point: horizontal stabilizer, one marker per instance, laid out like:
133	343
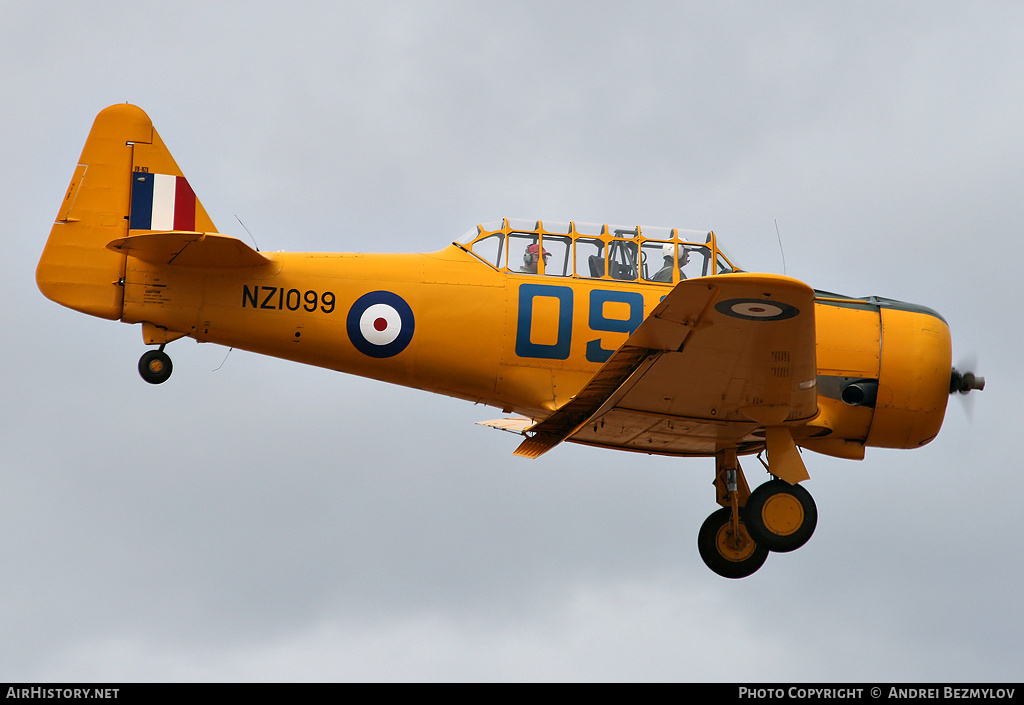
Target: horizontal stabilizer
189	249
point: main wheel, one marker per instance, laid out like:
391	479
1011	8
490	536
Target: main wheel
155	366
780	516
720	551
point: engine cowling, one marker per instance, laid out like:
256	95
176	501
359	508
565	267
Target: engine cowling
913	380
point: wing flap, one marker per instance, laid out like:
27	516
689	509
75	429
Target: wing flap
561	424
717	359
189	249
512	424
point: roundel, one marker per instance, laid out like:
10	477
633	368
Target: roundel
380	324
757	309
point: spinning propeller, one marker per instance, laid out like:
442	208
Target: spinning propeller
964	383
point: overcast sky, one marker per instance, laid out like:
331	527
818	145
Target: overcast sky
253	519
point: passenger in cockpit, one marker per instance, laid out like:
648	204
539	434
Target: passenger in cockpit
532	257
665	273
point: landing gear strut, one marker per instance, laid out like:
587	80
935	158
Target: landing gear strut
155	366
724	542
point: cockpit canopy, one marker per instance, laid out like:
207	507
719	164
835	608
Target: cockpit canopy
599	251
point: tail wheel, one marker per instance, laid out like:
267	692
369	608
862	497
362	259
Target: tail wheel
155	366
780	516
726	554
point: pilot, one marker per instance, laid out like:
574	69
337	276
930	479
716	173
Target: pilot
665	273
532	257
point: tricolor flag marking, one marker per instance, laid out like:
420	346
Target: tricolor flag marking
162	202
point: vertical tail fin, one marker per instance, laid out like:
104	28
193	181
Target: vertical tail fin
125	181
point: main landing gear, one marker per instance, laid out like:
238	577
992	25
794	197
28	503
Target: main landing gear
155	366
726	546
776	517
781	516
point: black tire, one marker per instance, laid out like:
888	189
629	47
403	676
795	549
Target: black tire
155	366
780	516
714	544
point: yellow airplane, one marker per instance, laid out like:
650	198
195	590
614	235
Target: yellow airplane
635	338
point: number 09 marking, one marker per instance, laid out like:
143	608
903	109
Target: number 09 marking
598	320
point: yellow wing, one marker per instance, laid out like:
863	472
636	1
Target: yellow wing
720	363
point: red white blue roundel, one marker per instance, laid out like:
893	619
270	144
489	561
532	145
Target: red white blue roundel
380	324
757	309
